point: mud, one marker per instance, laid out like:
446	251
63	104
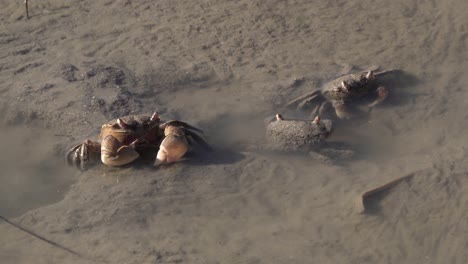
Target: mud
225	66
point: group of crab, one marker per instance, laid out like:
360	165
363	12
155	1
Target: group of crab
122	140
344	95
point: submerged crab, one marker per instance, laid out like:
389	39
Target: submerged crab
344	91
122	138
306	136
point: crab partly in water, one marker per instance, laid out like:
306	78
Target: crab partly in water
304	136
122	138
344	91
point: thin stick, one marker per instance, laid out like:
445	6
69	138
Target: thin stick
44	239
27	10
361	200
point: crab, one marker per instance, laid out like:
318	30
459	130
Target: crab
122	139
344	91
304	136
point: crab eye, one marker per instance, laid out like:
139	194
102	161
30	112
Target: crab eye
345	86
155	117
121	123
316	120
370	75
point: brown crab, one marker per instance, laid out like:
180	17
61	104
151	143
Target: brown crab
304	136
343	91
123	138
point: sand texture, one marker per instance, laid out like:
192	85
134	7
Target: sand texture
226	66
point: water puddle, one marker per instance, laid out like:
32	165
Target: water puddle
32	173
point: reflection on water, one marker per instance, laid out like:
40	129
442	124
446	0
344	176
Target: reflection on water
32	174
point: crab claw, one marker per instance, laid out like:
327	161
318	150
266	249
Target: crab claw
113	153
173	147
83	154
382	94
316	120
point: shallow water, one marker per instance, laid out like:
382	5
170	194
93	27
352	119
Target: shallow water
32	174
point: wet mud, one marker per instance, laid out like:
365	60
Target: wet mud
226	66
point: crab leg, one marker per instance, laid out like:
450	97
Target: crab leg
322	109
177	123
383	73
320	157
113	153
197	139
72	155
307	101
342	110
306	97
382	94
81	154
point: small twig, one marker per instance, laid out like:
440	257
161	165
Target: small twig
380	188
27	10
44	239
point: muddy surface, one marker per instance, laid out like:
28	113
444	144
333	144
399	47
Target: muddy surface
225	66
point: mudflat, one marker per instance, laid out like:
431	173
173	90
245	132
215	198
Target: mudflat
225	66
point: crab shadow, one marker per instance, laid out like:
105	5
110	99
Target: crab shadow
382	199
398	85
195	157
215	157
